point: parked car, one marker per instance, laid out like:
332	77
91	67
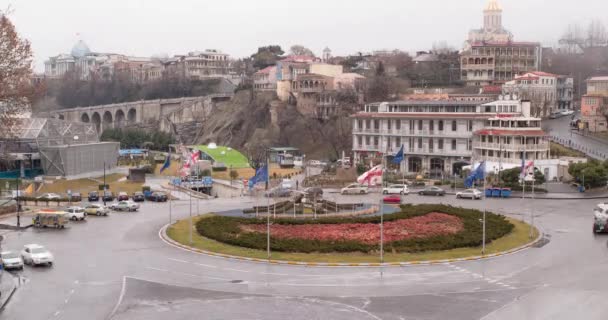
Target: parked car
469	194
396	189
108	196
93	196
392	198
312	192
125	206
35	254
354	188
122	196
288	184
96	209
158	197
138	197
278	192
432	191
11	260
76	196
567	112
555	115
314	163
75	213
49	196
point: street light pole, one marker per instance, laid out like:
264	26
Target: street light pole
104	184
18	205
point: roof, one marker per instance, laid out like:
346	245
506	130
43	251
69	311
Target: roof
282	149
438	102
228	156
511	132
426	115
266	70
298	58
543	74
492	6
526	78
504	44
492	89
602	78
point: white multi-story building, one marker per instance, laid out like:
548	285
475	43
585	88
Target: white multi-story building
547	92
437	135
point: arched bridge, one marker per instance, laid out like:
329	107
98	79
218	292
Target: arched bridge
179	110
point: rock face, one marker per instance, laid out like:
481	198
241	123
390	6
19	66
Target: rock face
260	118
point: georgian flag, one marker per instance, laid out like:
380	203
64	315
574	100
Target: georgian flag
372	176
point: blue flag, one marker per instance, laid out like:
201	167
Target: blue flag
261	175
399	156
478	174
167	163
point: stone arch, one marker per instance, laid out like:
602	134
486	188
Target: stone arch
477	61
107	120
96	119
132	116
119	118
471	61
464	61
85	118
484	61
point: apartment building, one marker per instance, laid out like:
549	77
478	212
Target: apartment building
594	105
547	92
437	134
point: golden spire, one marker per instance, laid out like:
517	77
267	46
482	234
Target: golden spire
493	6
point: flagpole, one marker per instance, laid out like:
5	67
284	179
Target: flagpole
268	206
483	240
532	205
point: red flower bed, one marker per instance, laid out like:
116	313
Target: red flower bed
431	224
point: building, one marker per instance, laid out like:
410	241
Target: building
490	56
208	64
265	79
547	92
594	105
437	134
308	89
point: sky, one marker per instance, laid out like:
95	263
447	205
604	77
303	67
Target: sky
239	27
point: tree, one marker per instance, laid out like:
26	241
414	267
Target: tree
299	50
593	173
233	175
266	56
596	34
380	69
256	154
17	93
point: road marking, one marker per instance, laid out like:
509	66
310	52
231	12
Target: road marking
120	297
56	313
275	274
187	274
204	265
237	270
178	260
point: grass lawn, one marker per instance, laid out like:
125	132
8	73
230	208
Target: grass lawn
518	237
84	186
557	150
229	157
247	173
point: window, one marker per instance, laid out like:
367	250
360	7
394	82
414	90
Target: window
432	125
359	140
360	124
419	143
389	123
440	144
377	124
367	140
440	125
470	125
411	125
454	144
420	125
469	145
431	144
398	142
376	141
398	124
454	126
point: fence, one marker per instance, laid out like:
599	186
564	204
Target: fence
589	151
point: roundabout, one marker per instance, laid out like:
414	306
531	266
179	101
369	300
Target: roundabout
121	263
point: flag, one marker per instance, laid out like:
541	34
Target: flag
370	176
522	173
167	163
399	156
478	174
261	175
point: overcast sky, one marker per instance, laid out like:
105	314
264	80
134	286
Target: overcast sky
238	27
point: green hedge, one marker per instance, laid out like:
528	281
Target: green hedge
226	229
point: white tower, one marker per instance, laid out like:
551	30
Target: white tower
326	54
492	16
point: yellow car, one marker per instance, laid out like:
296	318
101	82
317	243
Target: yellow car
94	209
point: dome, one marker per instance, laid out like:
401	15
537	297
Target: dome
80	49
493	6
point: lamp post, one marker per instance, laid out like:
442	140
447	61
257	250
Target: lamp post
103	196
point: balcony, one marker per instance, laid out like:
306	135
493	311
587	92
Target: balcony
416	133
516	147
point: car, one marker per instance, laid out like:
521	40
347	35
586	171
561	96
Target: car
278	192
432	191
392	198
96	209
314	163
288	184
108	196
75	213
567	112
555	115
11	260
122	196
49	196
469	194
76	196
93	196
125	206
35	254
138	197
158	197
312	192
396	189
354	188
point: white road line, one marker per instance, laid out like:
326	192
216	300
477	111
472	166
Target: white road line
120	297
237	270
178	260
275	274
56	313
204	265
157	269
187	274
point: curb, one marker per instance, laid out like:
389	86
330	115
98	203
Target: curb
10	295
162	233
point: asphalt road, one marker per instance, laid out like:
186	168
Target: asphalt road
560	129
118	268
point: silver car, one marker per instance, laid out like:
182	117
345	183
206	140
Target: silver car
469	194
11	260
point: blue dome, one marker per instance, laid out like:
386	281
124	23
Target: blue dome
80	49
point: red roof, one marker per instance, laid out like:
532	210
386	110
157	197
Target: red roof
526	78
266	70
492	89
543	74
510	132
504	44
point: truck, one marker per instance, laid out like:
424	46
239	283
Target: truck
600	218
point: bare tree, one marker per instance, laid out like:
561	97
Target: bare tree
596	34
17	93
299	50
256	153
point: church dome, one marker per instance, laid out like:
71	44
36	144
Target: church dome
80	49
493	6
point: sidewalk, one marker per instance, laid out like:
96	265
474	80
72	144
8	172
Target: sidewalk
8	286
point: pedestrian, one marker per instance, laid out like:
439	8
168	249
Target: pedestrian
297	184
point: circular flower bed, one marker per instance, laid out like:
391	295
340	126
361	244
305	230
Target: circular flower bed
414	229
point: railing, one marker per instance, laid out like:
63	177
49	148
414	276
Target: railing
425	133
542	146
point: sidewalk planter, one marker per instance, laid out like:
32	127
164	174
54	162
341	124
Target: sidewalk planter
496	192
489	193
505	192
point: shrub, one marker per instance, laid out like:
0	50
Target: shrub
227	230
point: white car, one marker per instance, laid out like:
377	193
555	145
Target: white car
469	194
49	196
11	260
354	188
35	254
314	163
96	209
125	206
396	189
75	213
567	112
